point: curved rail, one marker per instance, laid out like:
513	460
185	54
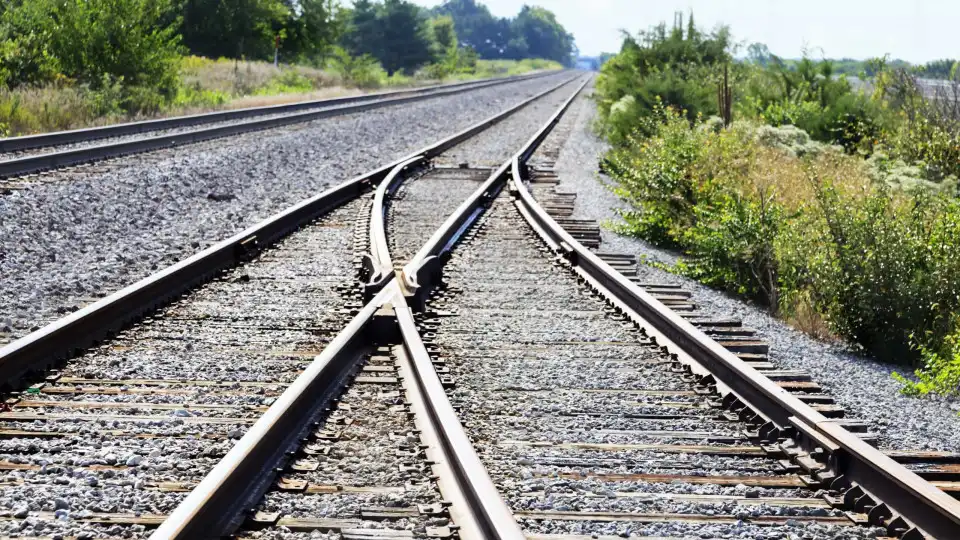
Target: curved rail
42	140
42	162
61	338
380	265
422	271
480	512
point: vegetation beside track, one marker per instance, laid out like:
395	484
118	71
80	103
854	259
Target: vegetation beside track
71	64
835	208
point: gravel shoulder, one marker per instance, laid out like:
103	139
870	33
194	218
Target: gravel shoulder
862	385
88	231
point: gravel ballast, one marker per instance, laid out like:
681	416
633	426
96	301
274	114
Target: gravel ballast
575	414
88	231
165	400
863	386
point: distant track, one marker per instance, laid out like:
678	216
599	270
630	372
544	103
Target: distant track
21	158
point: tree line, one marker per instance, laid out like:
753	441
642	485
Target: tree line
137	45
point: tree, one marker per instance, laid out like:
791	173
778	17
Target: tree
132	43
233	28
477	28
940	69
544	37
361	36
395	32
444	34
759	54
405	36
311	30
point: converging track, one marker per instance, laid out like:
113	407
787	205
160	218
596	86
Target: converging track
439	360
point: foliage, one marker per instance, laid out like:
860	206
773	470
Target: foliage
677	67
811	96
235	29
73	63
130	44
941	69
940	373
533	33
505	68
311	30
361	71
395	32
537	34
879	264
927	131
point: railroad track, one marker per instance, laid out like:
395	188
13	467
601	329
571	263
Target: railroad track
22	158
488	376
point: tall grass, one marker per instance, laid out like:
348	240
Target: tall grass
208	84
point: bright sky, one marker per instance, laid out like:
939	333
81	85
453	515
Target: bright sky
914	30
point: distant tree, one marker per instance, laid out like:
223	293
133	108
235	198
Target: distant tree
361	36
311	30
233	29
759	54
477	28
406	36
940	69
444	35
543	36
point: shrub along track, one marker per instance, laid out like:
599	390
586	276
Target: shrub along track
535	348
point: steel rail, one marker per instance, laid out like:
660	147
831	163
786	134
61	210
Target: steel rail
480	511
42	140
380	263
37	163
77	331
894	488
423	270
236	481
211	509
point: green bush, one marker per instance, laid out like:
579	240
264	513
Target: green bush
940	373
286	82
362	71
879	265
127	42
676	67
653	175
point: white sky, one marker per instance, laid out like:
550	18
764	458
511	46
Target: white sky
914	30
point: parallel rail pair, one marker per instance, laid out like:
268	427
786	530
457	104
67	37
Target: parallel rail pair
894	497
292	113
